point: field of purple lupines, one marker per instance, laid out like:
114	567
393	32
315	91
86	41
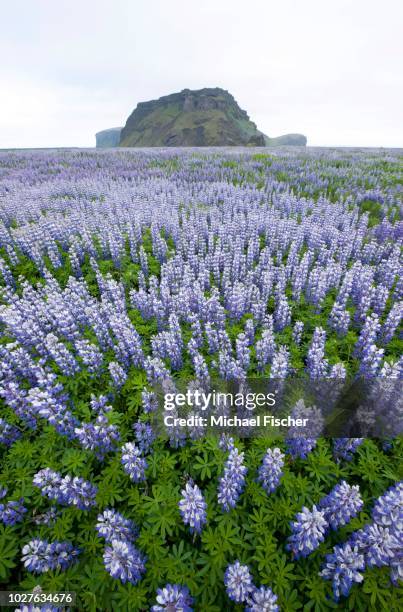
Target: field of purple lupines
123	269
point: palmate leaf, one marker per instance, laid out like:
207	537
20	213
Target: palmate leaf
129	597
134	401
90	542
281	512
370	465
161	462
279	574
22	453
266	551
319	592
136	381
291	601
203	466
94	577
222	540
180	554
321	468
257	522
211	569
108	493
74	460
162	512
8	551
63	527
376	587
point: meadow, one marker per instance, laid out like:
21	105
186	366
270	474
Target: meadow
125	269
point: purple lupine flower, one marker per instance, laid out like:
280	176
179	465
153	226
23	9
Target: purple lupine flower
48	481
34	556
388	509
12	512
299	448
69	491
46	518
338	371
193	507
265	347
100	405
145	436
197	335
173	598
118	375
280	363
113	526
61	355
394	369
133	463
226	442
371	358
282	315
35	608
200	367
301	443
238	582
100	437
297	332
317	365
379	299
7	274
262	600
344	448
308	531
392	322
368	334
212	338
8	433
396	568
156	370
243	351
233	480
40	556
377	544
342	504
150	402
75	491
339	318
124	562
250	331
165	345
380	545
343	567
90	354
271	470
47	404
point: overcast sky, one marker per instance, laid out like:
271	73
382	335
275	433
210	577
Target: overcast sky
328	69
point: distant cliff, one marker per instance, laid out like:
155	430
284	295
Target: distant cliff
108	138
286	140
207	117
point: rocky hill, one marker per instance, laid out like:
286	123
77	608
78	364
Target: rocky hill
201	118
207	117
286	140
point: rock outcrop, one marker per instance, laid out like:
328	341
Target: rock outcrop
286	140
206	117
108	138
